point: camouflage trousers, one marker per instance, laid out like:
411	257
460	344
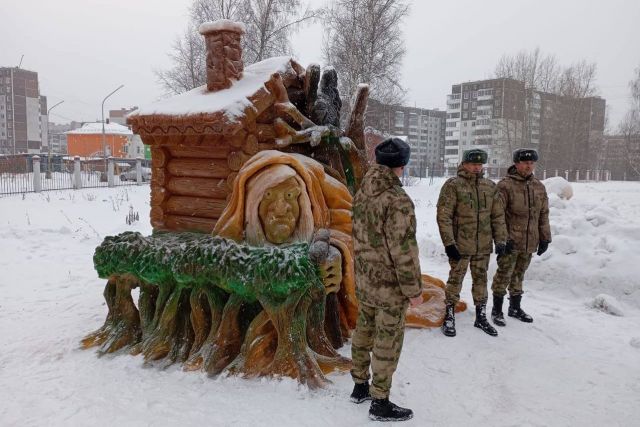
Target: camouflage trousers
377	342
511	269
479	265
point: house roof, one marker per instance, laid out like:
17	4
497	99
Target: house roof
96	128
221	112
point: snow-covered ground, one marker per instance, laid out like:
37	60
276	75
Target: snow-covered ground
577	364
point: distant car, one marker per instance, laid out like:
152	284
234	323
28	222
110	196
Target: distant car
130	175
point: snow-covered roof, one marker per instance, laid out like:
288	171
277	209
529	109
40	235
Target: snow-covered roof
231	101
96	128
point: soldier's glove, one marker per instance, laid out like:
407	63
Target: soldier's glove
542	247
510	246
501	249
452	252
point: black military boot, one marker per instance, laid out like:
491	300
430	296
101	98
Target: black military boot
360	393
496	311
383	410
516	311
449	325
482	322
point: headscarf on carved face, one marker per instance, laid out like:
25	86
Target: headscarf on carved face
327	200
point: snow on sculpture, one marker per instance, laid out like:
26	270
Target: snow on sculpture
250	266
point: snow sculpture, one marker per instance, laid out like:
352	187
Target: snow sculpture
250	266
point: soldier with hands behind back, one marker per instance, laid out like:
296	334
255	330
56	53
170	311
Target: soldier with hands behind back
388	278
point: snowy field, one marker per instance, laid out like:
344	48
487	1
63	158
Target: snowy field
578	364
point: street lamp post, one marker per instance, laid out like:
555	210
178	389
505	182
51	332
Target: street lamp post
104	146
48	172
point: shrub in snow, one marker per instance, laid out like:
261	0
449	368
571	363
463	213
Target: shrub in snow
560	186
607	304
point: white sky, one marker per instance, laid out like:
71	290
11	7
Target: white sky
83	49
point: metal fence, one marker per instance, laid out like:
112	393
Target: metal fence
26	173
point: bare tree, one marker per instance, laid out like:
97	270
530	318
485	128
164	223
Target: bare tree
537	71
363	41
630	126
565	93
188	55
269	27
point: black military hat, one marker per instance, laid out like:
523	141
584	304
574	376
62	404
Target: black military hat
525	155
393	152
475	155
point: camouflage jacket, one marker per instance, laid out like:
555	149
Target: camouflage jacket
384	240
470	214
526	210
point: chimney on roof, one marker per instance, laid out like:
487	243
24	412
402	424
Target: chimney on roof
224	53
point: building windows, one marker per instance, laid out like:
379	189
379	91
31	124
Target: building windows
399	119
451	151
466	95
474	94
474	104
465	115
465	105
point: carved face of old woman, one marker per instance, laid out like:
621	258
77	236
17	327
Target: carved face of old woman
279	211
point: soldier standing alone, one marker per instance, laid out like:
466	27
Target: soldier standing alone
470	216
387	277
527	216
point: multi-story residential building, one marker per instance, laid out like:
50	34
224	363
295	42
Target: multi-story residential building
22	112
622	157
120	116
500	115
58	138
571	132
424	129
487	114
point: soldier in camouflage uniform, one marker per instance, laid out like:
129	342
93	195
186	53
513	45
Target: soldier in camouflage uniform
470	217
388	277
527	216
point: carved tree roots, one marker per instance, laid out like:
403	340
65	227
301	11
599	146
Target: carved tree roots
203	328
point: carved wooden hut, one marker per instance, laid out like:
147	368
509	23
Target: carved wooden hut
200	139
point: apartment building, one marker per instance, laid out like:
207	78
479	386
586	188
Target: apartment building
486	114
424	130
622	157
500	115
22	112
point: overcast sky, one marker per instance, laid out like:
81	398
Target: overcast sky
83	49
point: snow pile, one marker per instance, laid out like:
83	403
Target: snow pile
595	241
595	236
559	186
607	304
572	366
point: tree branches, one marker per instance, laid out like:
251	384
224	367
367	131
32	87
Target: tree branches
363	42
269	26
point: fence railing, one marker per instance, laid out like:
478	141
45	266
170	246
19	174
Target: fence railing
34	173
569	175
